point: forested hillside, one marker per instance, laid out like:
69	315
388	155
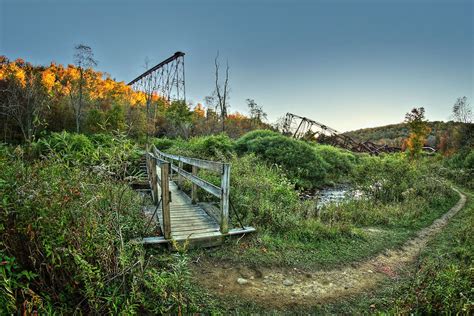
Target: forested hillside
444	136
40	99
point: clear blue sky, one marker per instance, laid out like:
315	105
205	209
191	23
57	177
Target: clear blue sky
348	64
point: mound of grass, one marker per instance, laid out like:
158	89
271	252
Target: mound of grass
297	159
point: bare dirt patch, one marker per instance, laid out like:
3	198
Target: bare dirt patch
286	287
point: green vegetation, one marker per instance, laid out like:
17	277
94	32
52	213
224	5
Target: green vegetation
68	235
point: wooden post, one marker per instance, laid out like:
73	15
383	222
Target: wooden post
225	185
194	187
180	177
154	184
165	199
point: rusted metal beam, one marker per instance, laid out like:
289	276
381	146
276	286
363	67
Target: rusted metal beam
325	134
158	66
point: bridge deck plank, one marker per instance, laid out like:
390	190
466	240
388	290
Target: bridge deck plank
189	221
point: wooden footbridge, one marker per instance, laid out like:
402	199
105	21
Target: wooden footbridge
182	217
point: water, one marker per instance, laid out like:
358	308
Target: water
336	195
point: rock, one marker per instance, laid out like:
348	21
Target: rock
242	281
288	282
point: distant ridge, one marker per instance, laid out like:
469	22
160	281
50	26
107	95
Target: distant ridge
395	134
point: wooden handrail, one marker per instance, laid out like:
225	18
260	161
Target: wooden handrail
200	163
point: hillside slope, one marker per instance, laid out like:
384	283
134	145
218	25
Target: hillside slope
394	134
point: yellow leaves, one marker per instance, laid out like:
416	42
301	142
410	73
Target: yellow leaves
48	79
21	77
199	110
73	73
138	98
60	81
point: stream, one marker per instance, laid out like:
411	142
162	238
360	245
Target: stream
330	195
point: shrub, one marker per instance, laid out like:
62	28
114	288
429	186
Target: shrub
469	160
241	145
340	163
296	158
212	146
115	155
263	195
385	178
163	143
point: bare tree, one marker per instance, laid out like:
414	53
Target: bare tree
221	91
257	115
83	59
462	111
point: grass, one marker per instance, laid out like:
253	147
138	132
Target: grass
269	249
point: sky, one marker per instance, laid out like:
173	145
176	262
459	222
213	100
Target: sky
346	63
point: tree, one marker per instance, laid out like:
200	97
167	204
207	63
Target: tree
221	92
24	97
83	59
462	111
256	112
419	130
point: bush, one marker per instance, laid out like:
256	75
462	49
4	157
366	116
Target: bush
296	158
163	143
114	155
212	146
241	145
340	162
469	160
263	195
385	178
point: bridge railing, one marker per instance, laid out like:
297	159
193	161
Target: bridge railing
158	171
176	164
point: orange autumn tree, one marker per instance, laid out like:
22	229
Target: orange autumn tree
419	130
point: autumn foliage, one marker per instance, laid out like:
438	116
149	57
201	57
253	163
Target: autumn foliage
36	99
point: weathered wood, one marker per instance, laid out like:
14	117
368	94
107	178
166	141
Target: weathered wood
225	184
211	210
194	188
155	240
204	164
154	183
180	176
165	200
209	187
240	231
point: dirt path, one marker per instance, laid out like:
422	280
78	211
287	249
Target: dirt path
286	287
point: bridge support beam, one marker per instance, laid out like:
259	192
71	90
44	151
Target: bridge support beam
225	185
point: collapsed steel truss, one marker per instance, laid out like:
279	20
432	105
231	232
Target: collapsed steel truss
304	128
165	80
